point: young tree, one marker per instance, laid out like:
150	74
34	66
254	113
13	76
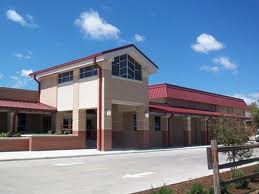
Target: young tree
254	110
231	132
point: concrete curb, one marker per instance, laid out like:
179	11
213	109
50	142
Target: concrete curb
120	152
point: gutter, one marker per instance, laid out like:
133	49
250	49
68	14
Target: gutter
34	77
99	146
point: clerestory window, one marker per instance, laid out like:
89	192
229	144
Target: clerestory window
125	66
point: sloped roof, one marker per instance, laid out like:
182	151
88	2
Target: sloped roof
22	105
91	57
188	94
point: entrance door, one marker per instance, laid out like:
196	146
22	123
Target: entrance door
91	128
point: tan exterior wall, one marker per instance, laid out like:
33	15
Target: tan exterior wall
48	93
231	110
191	105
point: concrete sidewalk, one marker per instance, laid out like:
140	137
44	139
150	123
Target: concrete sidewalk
34	155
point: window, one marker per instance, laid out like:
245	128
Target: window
65	77
125	66
88	71
135	121
67	123
157	123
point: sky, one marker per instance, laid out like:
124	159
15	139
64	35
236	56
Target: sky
207	45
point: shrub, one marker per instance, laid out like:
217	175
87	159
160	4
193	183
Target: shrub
10	134
196	188
210	190
163	190
237	173
17	135
52	131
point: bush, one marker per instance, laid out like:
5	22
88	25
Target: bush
196	188
52	131
10	134
163	190
237	173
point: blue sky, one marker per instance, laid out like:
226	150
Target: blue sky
207	45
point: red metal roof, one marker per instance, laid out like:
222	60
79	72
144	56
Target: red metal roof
169	109
21	105
91	57
188	94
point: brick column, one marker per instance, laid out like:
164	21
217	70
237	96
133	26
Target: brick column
58	121
204	131
106	132
142	127
188	131
10	118
165	129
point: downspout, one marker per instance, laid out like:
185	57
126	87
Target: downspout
34	77
99	103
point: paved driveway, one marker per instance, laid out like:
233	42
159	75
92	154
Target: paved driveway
102	174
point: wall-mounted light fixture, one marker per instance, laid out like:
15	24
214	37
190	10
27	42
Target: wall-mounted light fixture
146	115
108	112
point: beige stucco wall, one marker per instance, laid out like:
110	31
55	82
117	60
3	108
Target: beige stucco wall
48	93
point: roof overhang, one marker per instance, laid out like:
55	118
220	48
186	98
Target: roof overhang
28	106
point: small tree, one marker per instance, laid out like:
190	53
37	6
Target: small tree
231	132
254	110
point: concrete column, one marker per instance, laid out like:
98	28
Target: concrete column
142	127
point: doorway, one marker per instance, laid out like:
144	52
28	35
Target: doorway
91	128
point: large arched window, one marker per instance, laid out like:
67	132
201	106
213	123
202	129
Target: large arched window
125	66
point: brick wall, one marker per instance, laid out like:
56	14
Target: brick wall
57	142
14	144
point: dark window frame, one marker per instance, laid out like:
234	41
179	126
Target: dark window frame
88	71
126	67
65	77
157	120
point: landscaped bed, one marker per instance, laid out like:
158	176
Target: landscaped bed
207	183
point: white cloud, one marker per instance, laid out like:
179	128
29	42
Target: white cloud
220	64
95	27
205	43
248	98
210	69
139	38
225	63
26	21
27	55
21	78
26	72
